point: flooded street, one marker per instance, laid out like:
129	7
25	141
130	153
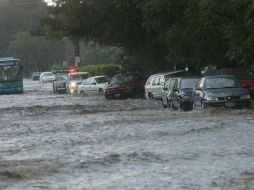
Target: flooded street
58	141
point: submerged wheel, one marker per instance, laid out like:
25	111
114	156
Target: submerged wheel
164	105
101	92
178	106
150	96
203	105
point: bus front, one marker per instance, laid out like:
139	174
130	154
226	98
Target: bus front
11	79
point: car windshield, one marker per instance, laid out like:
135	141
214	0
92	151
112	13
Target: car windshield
48	74
121	79
100	80
62	77
188	83
36	73
221	82
78	76
241	75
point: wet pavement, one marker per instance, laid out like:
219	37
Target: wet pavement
57	141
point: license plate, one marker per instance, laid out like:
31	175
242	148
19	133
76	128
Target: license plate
230	104
117	95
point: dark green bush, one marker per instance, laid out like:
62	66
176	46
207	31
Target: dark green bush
94	70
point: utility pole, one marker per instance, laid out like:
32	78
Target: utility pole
77	53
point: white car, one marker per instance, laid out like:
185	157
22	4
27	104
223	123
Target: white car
93	85
47	77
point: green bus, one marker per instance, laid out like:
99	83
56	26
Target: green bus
11	79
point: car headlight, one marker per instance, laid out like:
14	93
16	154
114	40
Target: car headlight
211	98
244	97
73	84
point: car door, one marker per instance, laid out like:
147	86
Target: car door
165	92
171	86
93	88
198	93
86	86
156	90
175	93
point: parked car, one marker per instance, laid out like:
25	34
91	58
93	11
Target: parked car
156	82
94	85
47	77
180	94
59	84
73	80
220	90
245	76
126	85
36	75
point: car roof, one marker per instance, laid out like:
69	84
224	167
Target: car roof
219	76
46	72
78	73
98	76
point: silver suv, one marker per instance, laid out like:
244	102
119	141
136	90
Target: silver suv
155	83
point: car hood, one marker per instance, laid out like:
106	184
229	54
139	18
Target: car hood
226	92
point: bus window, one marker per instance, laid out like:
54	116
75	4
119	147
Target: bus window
14	73
2	74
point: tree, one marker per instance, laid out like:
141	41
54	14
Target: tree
36	53
157	34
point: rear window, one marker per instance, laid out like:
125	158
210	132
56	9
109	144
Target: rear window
100	80
48	74
188	83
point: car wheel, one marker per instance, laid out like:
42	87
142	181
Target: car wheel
173	107
150	96
54	89
203	105
163	105
67	89
82	93
100	92
193	106
178	106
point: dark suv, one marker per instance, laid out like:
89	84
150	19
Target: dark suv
126	85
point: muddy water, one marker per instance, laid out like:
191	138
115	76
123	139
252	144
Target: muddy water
50	141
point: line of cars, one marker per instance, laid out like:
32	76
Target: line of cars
176	89
180	90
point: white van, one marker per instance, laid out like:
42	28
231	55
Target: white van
156	82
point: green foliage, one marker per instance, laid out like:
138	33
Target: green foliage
95	70
19	15
36	53
157	34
